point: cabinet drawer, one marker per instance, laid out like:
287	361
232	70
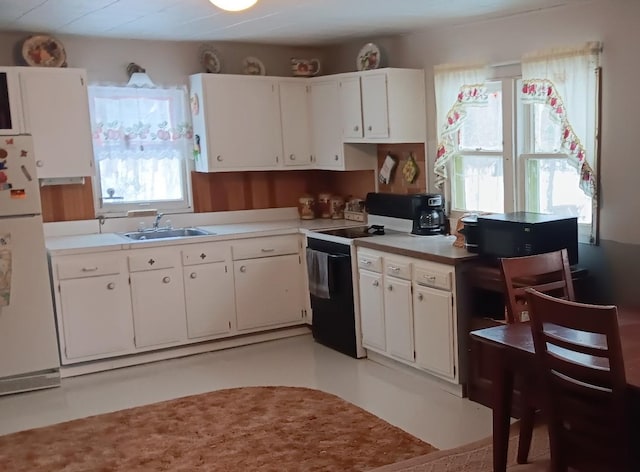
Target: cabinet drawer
433	278
369	262
89	267
151	261
265	247
402	270
205	254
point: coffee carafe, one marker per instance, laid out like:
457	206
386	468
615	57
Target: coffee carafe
429	217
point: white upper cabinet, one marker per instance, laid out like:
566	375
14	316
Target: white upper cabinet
237	121
350	106
391	104
296	126
55	109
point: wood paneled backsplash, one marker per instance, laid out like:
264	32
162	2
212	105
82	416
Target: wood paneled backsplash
223	191
401	153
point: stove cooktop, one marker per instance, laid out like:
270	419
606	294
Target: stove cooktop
356	232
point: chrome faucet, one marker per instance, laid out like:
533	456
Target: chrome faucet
156	222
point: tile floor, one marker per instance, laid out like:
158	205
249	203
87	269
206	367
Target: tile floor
404	399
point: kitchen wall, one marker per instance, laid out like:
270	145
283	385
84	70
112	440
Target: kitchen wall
505	40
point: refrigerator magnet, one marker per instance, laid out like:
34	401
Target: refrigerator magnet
3	164
3	153
23	153
18	193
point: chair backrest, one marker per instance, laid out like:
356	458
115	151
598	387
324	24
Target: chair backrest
547	273
579	352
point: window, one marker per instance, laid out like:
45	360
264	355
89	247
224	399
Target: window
547	119
141	141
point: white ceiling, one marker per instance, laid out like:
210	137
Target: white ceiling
292	22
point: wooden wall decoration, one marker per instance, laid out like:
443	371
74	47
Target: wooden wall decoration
401	153
67	202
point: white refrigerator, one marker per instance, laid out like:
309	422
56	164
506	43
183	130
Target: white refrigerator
28	344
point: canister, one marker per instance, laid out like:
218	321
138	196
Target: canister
324	205
337	207
306	207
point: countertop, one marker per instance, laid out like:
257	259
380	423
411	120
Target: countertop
429	248
89	243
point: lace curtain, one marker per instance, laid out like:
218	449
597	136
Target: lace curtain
457	87
566	81
139	123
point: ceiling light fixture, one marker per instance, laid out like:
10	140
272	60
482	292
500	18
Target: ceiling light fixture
234	5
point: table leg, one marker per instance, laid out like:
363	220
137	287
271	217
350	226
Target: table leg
502	396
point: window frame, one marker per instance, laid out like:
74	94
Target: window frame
185	205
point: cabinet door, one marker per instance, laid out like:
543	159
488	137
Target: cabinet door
10	104
96	314
210	301
268	291
372	310
243	122
326	136
399	318
351	107
375	110
158	307
434	335
56	113
296	127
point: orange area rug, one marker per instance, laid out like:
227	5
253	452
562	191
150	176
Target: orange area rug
241	429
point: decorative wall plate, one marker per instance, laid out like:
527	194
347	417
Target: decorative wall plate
369	57
253	66
209	60
43	51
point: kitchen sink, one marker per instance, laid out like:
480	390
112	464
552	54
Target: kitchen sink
166	233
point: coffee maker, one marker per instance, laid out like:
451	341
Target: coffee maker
428	217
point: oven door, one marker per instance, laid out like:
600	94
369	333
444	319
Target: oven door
333	322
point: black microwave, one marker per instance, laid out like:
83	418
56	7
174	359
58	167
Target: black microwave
524	234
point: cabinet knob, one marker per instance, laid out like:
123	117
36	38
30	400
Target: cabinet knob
193	275
39	163
292	157
420	297
337	157
369	128
375	283
166	280
111	286
219	158
356	128
312	158
390	288
243	268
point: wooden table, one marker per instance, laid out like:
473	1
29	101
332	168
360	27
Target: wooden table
512	351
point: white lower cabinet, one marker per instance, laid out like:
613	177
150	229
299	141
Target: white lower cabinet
434	330
157	297
268	281
93	307
372	310
407	311
208	290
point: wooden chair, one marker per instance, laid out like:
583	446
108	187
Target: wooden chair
579	352
548	273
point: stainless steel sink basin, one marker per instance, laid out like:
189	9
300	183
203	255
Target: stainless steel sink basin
166	233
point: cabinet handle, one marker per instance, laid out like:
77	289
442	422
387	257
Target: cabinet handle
219	158
243	268
356	128
193	275
39	163
312	158
420	297
166	280
390	288
337	157
89	269
394	269
267	250
430	278
292	157
375	283
365	262
369	128
111	286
